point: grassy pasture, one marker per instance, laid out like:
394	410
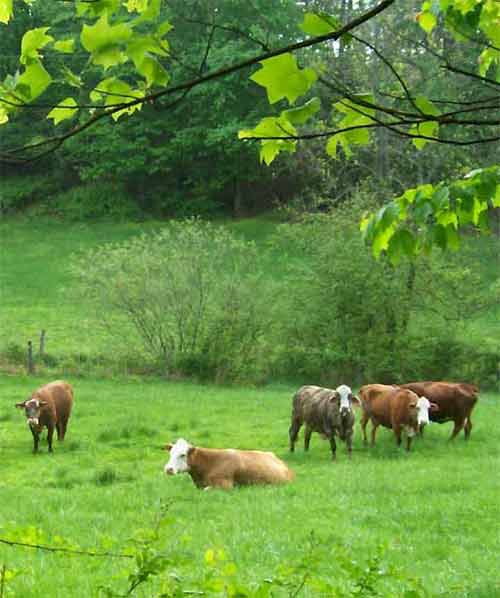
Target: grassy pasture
436	509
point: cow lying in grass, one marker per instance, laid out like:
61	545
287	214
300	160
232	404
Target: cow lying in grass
455	400
225	468
49	406
326	411
393	407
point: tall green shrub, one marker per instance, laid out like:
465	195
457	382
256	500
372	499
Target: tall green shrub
190	295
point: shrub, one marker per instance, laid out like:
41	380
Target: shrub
191	295
97	200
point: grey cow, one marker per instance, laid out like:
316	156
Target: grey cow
326	411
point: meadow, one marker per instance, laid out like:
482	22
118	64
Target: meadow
434	511
428	519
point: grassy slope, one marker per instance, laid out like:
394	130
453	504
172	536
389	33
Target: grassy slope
436	509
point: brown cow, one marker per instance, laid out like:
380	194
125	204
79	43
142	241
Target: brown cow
49	406
326	411
393	407
225	468
456	400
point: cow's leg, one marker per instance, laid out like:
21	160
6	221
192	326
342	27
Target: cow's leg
397	433
50	433
333	445
410	434
364	421
64	425
36	440
293	432
459	424
307	437
467	428
374	431
421	430
348	442
218	482
59	431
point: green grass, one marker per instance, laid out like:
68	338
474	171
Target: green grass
435	510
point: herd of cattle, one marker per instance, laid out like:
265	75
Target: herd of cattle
406	407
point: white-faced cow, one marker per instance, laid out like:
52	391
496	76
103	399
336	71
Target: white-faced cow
225	468
49	406
393	407
325	411
455	400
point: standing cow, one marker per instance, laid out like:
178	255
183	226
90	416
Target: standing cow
456	400
225	468
49	406
326	411
393	407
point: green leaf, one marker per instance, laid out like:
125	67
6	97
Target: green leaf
283	79
102	36
96	8
331	146
319	23
153	72
6	10
32	41
140	45
401	243
4	117
35	79
299	115
65	109
66	46
114	91
137	5
426	106
427	21
71	78
495	200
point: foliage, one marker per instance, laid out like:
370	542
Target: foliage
190	293
359	320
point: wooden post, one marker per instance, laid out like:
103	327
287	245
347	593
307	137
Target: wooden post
42	343
31	364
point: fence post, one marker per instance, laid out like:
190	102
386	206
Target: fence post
42	343
31	364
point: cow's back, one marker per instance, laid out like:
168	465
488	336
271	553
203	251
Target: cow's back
260	467
376	403
454	399
312	404
60	395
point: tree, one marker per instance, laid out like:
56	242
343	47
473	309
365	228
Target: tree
126	68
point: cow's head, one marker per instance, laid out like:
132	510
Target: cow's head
423	406
32	409
179	452
346	398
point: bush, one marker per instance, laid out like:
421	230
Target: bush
98	200
189	294
16	193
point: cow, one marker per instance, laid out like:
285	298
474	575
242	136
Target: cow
393	407
326	411
456	400
49	406
225	468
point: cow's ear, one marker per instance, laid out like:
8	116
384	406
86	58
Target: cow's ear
356	399
21	405
42	403
434	407
168	446
191	450
335	397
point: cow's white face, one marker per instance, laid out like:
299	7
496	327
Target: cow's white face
178	462
345	394
423	406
